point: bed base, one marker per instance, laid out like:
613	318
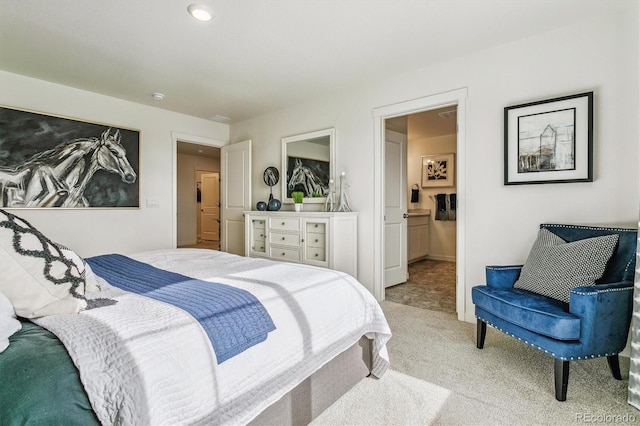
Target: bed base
324	387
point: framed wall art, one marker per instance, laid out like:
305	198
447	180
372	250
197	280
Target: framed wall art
549	141
438	170
52	161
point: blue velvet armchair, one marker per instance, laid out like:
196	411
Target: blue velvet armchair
594	323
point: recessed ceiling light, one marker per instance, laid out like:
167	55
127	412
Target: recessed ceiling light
200	12
219	118
158	96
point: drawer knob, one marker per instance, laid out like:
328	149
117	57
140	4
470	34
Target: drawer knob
282	238
283	254
282	223
316	254
316	240
316	225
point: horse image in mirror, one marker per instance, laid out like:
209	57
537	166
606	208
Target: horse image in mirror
310	182
58	177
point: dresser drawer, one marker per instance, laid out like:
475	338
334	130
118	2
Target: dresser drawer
316	254
284	239
315	240
290	255
284	223
318	228
258	246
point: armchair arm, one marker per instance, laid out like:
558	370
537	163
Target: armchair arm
605	312
502	276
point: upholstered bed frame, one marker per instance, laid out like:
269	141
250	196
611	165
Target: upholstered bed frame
324	387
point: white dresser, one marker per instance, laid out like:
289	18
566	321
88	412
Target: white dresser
329	240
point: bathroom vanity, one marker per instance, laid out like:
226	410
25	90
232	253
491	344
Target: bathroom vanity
418	234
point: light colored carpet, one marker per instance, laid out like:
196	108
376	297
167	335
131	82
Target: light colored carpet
400	399
439	377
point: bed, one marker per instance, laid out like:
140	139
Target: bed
129	358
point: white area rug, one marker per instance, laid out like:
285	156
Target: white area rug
399	400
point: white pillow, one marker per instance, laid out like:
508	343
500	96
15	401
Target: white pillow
8	322
39	277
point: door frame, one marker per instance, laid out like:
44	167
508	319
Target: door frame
199	140
456	97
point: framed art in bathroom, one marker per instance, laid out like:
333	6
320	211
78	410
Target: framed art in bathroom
438	170
549	141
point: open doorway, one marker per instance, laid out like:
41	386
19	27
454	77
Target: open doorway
198	196
446	99
428	209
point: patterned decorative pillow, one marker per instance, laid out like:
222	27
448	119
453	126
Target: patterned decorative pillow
555	266
39	277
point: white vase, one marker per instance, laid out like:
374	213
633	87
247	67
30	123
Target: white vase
298	207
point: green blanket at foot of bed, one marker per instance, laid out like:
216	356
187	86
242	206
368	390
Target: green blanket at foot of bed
39	384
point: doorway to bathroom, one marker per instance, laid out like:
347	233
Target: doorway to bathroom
388	235
431	144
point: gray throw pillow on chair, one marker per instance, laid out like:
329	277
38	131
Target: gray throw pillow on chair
555	266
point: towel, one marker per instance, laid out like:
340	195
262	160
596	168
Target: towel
415	194
441	207
452	206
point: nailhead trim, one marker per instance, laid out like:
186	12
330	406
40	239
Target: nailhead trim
504	268
607	290
595	228
544	350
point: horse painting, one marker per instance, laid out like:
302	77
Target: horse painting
58	177
303	178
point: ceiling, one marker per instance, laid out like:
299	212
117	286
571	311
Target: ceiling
258	56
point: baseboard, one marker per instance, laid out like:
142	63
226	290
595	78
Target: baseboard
187	243
441	257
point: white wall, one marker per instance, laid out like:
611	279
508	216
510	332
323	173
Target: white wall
599	55
442	234
96	231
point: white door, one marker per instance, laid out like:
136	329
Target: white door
395	211
210	206
235	165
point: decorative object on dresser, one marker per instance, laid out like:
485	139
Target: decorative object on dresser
549	141
271	176
274	205
322	239
297	199
343	204
308	163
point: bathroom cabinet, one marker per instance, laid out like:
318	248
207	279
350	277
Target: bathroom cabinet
418	237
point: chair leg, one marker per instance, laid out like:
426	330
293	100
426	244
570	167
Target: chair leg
481	332
614	366
561	373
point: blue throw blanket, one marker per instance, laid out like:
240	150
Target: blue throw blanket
233	318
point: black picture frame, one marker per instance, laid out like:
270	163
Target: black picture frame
549	141
54	161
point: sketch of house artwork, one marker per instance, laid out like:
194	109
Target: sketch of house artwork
546	142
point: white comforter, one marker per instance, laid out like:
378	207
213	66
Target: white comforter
144	362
